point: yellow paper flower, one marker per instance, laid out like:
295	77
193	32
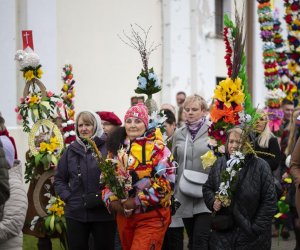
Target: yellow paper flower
34	99
43	147
51	147
39	73
53	208
278	215
54	140
60	202
229	91
282	198
208	159
59	211
288	180
29	75
65	87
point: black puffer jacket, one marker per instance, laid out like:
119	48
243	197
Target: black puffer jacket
253	208
4	185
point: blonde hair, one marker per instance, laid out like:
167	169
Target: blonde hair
292	128
196	98
265	136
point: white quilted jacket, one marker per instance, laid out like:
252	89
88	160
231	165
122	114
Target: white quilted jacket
13	215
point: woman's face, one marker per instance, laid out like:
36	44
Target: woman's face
108	127
234	142
134	128
85	129
261	123
193	112
170	128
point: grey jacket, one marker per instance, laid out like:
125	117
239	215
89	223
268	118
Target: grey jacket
4	186
195	149
11	223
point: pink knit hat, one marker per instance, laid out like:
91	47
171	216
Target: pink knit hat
139	111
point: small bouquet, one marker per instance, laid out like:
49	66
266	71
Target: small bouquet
54	222
229	178
148	83
36	105
30	64
114	173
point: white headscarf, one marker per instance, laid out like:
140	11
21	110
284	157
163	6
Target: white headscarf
98	130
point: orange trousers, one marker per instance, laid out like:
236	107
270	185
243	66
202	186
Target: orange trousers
144	231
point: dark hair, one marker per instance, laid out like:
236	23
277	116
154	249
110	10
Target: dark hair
286	102
170	116
116	140
181	93
2	123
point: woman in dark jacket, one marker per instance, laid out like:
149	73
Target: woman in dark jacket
78	177
253	204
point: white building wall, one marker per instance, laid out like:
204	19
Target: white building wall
105	69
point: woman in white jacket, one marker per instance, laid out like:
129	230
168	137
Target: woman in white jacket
13	212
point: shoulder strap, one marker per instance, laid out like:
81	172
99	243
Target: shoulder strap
185	148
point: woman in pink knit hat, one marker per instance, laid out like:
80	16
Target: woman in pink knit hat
144	216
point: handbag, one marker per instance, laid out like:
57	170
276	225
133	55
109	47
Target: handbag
90	200
191	182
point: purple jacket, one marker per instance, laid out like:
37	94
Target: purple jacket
69	187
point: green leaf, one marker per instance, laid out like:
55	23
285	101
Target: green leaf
35	112
45	104
37	159
54	160
58	228
52	220
47	223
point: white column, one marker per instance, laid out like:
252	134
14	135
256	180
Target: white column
176	57
207	47
7	65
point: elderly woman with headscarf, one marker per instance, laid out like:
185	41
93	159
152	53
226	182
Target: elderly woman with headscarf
77	183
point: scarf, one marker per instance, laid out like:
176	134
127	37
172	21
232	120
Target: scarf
194	127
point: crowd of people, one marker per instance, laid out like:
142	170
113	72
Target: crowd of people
158	210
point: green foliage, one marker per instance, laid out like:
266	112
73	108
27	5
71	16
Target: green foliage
243	75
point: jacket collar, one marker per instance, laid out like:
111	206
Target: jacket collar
81	149
201	131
